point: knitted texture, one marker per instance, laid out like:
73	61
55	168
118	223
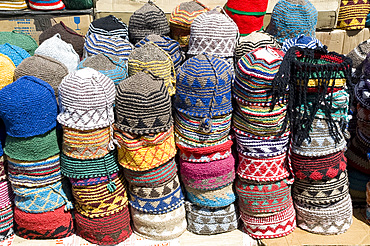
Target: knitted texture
2	137
43	67
50	225
357	179
108	230
358	54
19	39
352	14
159	226
6	223
15	53
209	175
290	18
301	41
327	220
66	34
43	199
34	173
46	5
143	105
92	181
108	26
6	194
99	200
211	198
157	200
278	225
86	99
7	68
211	221
3	163
79	4
149	19
214	33
357	158
60	50
12	5
362	91
32	148
113	67
192	144
30	113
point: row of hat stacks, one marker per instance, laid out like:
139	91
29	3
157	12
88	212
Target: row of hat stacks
107	143
45	5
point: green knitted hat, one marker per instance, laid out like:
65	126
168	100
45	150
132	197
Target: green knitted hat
19	39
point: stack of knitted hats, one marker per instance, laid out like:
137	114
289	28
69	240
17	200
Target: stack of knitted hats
42	197
89	159
202	124
264	180
144	130
352	14
318	103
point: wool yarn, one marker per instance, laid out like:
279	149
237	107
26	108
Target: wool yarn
7	68
79	4
46	5
108	26
6	223
362	93
30	113
6	194
13	5
357	179
15	53
301	41
92	181
2	137
359	53
3	163
352	14
211	198
357	158
54	224
19	39
183	141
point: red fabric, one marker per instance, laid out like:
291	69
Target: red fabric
248	5
246	23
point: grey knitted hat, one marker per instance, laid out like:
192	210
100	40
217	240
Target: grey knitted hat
358	54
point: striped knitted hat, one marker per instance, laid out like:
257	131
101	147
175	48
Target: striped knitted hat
149	19
46	5
290	18
159	226
357	158
6	194
37	99
108	230
66	34
362	93
13	4
43	67
111	45
7	68
191	144
86	99
211	198
15	53
352	14
359	53
6	223
143	105
19	39
79	4
157	61
108	26
214	33
49	225
93	181
361	140
111	66
301	41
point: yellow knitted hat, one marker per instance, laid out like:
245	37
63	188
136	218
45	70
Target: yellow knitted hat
7	68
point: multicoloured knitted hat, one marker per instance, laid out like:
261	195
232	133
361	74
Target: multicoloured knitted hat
19	39
108	26
15	53
359	53
111	45
46	5
6	223
331	219
149	19
86	99
352	14
13	5
37	99
79	4
157	200
192	144
7	68
6	194
290	18
143	105
43	67
301	41
49	225
92	181
159	226
361	140
66	34
108	230
34	173
3	173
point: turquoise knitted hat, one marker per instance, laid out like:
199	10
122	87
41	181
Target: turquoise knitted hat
19	39
15	53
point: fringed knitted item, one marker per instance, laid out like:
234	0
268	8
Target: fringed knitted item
352	14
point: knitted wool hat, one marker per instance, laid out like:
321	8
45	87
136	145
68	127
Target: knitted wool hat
191	144
89	144
43	199
154	59
43	67
46	5
6	223
7	68
359	53
6	194
248	15
49	225
362	93
209	175
79	4
15	53
277	225
86	100
3	173
214	33
108	230
157	200
60	50
143	105
211	198
66	34
210	221
352	14
301	41
13	4
362	141
290	18
92	181
113	67
331	219
32	148
357	158
34	173
111	45
96	201
19	39
159	226
108	26
149	19
37	100
152	177
2	137
357	179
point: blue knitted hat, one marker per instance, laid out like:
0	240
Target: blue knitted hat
28	107
15	53
301	41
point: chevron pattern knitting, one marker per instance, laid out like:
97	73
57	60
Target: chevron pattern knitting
211	198
352	14
114	45
6	223
182	16
92	181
